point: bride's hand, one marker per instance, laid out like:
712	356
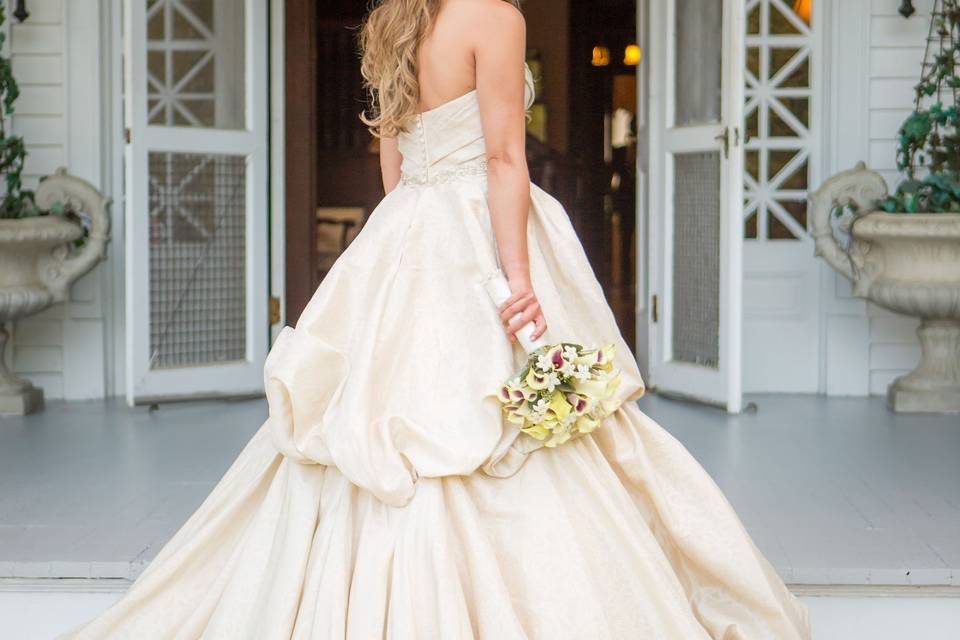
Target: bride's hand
523	301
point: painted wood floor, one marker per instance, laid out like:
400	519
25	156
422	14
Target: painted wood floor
41	614
834	491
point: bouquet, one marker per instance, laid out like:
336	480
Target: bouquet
563	391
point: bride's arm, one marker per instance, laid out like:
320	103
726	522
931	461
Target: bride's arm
390	160
499	51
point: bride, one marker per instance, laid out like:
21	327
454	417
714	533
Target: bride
385	496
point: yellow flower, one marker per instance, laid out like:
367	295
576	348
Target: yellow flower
559	437
538	431
606	357
590	388
559	408
586	424
613	384
587	357
535	380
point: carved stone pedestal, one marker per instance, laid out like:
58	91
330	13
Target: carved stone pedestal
38	264
17	397
910	264
934	386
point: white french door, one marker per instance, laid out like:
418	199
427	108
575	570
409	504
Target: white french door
696	198
196	197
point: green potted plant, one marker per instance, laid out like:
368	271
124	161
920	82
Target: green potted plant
48	239
904	248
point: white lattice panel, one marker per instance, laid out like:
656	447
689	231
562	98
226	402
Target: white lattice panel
779	118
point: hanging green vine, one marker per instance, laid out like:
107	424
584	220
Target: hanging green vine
929	139
17	202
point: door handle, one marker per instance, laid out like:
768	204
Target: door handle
724	139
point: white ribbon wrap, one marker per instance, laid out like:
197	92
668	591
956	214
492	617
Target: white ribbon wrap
499	291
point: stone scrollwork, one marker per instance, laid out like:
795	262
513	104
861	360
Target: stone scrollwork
858	188
909	264
62	267
38	264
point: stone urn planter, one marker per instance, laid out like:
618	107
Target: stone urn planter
908	263
38	264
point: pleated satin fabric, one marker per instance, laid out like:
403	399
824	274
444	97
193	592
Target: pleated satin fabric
385	497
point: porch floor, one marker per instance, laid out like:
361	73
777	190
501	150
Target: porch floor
833	491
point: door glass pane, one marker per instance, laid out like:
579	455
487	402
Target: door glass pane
195	63
197	259
696	258
698	44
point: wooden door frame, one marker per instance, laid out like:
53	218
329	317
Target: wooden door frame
301	155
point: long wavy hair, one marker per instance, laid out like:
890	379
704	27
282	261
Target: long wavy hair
389	41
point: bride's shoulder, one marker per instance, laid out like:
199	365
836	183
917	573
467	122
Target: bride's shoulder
488	13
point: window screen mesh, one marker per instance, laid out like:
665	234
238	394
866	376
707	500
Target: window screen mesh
696	259
698	44
197	259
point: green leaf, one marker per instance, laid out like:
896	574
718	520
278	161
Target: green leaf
910	186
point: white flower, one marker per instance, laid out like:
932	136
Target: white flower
582	372
544	362
553	381
541	406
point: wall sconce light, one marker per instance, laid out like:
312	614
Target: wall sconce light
20	11
631	55
906	8
601	56
804	9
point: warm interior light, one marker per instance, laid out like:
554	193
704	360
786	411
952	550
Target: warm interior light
631	55
804	9
601	56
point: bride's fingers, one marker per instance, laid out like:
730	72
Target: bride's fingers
528	315
513	299
541	324
517	307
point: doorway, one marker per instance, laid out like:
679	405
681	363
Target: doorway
581	144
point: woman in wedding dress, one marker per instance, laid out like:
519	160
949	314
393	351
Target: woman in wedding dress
385	496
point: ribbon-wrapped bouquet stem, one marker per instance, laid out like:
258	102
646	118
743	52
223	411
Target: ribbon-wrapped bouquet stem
564	389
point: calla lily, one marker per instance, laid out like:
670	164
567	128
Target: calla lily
587	357
537	431
605	357
586	424
556	356
578	402
559	407
590	388
613	383
536	380
558	438
513	418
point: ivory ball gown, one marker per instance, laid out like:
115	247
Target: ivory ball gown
385	496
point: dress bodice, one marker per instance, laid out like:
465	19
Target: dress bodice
447	141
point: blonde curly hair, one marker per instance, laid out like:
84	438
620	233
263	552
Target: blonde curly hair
389	41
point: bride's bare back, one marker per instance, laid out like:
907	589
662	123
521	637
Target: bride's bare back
447	56
481	44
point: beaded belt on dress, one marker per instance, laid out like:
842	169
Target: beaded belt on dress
467	169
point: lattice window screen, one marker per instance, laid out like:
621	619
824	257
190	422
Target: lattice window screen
197	259
778	112
696	259
195	70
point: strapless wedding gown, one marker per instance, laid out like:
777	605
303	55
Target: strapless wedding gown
386	498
